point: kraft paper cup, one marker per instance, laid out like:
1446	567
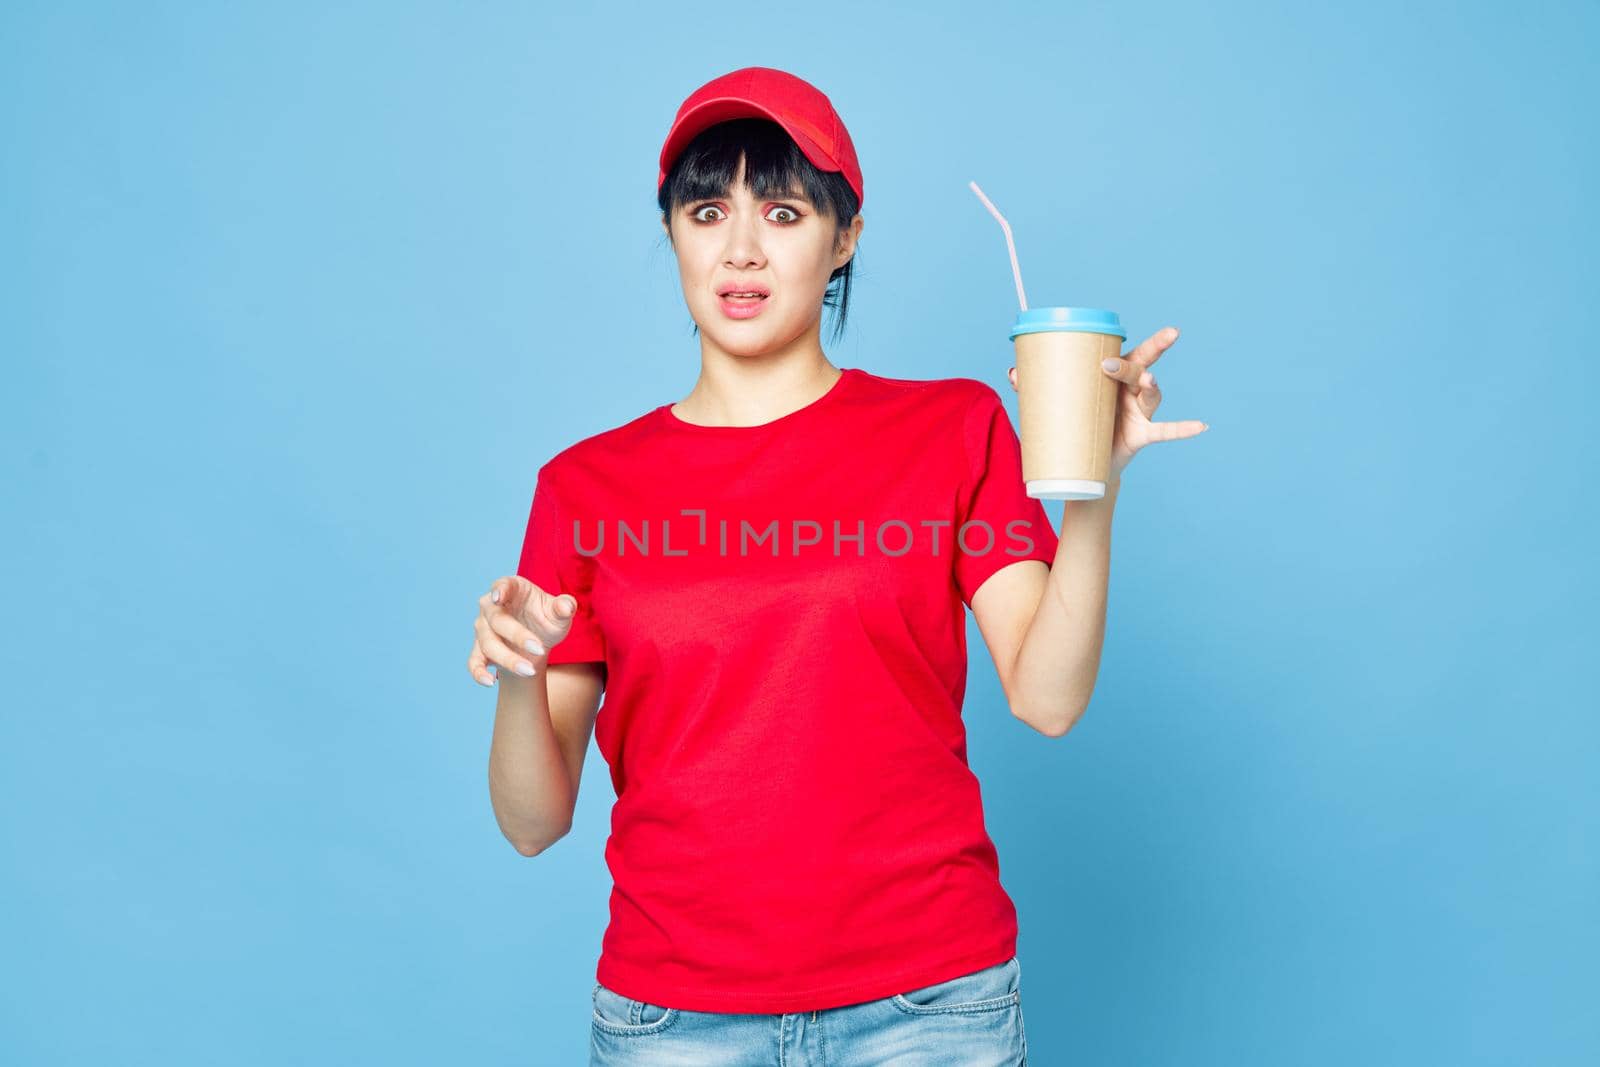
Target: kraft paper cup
1067	403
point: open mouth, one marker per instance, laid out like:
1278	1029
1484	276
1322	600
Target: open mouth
741	305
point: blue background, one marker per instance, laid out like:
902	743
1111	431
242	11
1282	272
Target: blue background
297	298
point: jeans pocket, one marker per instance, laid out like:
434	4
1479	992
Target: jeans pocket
617	1014
989	989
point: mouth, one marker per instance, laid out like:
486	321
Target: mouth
743	289
741	305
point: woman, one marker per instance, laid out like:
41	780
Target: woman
768	579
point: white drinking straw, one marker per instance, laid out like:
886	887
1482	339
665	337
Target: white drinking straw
1016	272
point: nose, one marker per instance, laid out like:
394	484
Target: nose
743	250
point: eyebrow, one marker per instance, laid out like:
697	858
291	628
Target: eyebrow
798	196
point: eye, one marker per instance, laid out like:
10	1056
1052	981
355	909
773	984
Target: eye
793	215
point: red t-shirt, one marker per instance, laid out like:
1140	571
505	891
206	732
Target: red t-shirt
796	826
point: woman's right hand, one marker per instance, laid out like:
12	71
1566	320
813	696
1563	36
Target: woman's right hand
518	623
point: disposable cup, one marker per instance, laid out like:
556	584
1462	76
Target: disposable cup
1066	402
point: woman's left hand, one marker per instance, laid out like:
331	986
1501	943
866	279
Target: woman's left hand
1137	400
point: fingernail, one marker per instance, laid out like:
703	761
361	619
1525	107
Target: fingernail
533	646
496	597
1110	364
525	669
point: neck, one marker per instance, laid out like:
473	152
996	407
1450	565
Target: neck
738	389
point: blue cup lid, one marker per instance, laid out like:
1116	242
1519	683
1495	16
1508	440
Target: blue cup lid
1084	320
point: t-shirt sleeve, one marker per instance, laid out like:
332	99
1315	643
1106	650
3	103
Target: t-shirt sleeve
550	560
993	493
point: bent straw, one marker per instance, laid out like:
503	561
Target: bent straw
1016	272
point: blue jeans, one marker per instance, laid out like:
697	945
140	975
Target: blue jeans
971	1021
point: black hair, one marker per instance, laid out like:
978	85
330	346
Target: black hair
774	167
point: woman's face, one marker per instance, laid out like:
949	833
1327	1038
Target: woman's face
782	245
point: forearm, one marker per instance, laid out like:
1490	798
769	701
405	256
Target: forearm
1059	658
528	780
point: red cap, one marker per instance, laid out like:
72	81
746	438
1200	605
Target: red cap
762	92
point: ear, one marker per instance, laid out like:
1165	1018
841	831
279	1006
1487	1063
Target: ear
847	242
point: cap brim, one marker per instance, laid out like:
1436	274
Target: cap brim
721	109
